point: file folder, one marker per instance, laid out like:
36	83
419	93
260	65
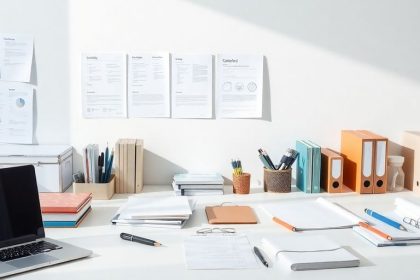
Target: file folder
357	151
331	171
380	174
411	154
316	167
304	167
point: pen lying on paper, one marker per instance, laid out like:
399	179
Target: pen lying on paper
385	220
260	256
138	239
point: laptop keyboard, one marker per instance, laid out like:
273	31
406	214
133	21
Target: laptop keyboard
27	250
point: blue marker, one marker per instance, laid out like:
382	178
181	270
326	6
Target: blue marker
385	220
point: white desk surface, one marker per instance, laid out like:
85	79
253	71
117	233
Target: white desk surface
114	258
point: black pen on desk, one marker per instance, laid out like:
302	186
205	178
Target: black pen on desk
138	239
260	256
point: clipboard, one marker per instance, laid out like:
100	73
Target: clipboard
230	215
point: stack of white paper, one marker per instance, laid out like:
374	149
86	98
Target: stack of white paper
168	212
190	184
308	252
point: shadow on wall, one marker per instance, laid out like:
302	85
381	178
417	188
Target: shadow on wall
158	170
382	33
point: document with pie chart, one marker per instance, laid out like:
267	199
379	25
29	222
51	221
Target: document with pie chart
239	86
16	113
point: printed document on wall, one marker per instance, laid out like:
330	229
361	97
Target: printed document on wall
192	86
148	85
239	86
16	52
104	85
16	113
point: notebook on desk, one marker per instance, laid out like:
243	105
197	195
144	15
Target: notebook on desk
230	215
308	253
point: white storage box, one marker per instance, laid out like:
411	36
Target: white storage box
53	163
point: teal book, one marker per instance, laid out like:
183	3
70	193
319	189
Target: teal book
304	166
316	167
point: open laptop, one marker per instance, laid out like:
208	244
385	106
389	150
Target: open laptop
23	245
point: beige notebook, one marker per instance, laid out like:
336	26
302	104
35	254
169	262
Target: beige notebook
131	166
230	215
139	165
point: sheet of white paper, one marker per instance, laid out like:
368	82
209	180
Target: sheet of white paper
192	86
239	86
311	215
16	113
148	85
104	85
218	251
16	52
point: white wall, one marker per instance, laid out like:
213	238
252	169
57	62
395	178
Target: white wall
47	21
330	65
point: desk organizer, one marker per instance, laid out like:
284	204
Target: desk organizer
279	181
241	183
100	191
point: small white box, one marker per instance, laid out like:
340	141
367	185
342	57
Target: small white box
53	163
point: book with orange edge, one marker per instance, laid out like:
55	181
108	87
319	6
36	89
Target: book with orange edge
63	202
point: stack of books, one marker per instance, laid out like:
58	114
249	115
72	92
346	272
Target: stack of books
64	209
190	184
129	166
163	212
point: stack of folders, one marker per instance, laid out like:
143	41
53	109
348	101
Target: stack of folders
365	161
308	174
129	166
309	252
64	209
90	163
191	184
381	234
161	212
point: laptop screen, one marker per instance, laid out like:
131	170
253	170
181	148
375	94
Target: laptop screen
20	212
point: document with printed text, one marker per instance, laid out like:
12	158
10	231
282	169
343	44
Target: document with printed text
16	53
239	86
16	113
148	85
192	86
104	85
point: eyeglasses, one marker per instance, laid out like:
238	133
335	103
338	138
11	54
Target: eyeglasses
216	230
412	222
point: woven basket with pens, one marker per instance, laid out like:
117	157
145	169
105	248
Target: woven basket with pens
279	181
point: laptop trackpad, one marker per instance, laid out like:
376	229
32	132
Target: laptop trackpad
32	261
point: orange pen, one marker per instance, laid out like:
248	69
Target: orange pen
375	230
283	223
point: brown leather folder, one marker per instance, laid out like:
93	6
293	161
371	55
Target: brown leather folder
230	215
331	171
380	170
357	151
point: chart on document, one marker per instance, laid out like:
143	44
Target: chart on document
239	86
16	113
